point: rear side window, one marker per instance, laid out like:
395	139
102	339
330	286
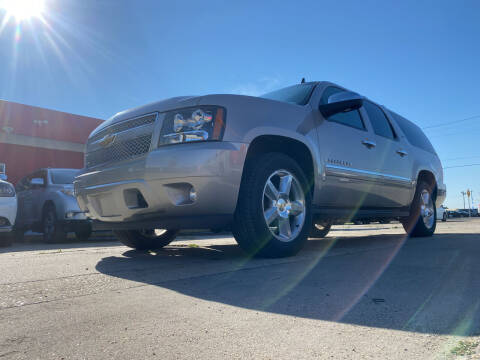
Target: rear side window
381	125
351	118
414	134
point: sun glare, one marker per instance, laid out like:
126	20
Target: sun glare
23	9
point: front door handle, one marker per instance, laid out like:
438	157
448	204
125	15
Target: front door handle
369	144
402	153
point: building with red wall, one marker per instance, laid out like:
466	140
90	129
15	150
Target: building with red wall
33	137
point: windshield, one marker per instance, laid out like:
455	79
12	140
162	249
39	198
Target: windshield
296	94
63	176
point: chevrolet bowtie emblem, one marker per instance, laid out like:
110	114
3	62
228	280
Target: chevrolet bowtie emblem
107	140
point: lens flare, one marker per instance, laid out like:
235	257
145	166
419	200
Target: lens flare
22	9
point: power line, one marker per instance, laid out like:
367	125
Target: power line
451	122
460	166
461	158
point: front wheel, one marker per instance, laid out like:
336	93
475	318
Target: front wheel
423	213
53	231
444	217
146	239
273	216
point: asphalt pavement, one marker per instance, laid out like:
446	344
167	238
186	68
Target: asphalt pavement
364	292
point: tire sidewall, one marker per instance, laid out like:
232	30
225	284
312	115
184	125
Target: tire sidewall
317	233
267	245
415	226
134	239
58	233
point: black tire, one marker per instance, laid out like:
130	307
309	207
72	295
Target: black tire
250	228
144	240
6	239
83	233
384	222
319	231
415	225
18	235
444	217
53	230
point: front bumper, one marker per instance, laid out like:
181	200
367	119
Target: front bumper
8	211
183	186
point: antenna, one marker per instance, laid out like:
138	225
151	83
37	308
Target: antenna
303	81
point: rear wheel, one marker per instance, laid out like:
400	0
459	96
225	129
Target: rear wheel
320	230
53	230
273	216
146	239
423	213
6	239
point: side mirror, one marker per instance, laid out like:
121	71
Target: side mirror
3	177
37	182
344	101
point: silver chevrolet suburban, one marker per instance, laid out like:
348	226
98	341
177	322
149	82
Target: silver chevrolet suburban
274	169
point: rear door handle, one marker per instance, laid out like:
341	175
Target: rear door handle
369	144
402	153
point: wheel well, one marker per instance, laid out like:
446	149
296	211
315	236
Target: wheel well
429	178
288	146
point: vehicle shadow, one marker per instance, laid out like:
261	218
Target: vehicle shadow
427	285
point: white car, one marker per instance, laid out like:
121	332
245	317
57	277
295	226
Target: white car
442	213
8	211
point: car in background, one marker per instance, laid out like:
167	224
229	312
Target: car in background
46	204
8	211
463	212
453	214
442	213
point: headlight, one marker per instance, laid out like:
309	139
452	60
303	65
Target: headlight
68	192
7	190
193	124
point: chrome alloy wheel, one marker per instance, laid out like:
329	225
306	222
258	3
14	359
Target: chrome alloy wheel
283	205
427	211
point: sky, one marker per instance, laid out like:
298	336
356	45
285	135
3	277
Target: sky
98	57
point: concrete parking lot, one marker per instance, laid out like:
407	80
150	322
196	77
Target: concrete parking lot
364	292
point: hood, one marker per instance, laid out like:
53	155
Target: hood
5	182
157	106
232	102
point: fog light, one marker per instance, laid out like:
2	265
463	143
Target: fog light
193	195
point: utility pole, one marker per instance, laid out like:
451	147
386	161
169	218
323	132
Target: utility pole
469	207
463	193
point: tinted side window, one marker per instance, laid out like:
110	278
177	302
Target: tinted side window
381	125
351	118
41	175
414	134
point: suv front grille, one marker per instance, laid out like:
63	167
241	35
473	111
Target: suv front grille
131	138
119	151
123	126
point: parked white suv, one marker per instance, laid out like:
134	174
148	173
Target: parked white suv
8	211
274	169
